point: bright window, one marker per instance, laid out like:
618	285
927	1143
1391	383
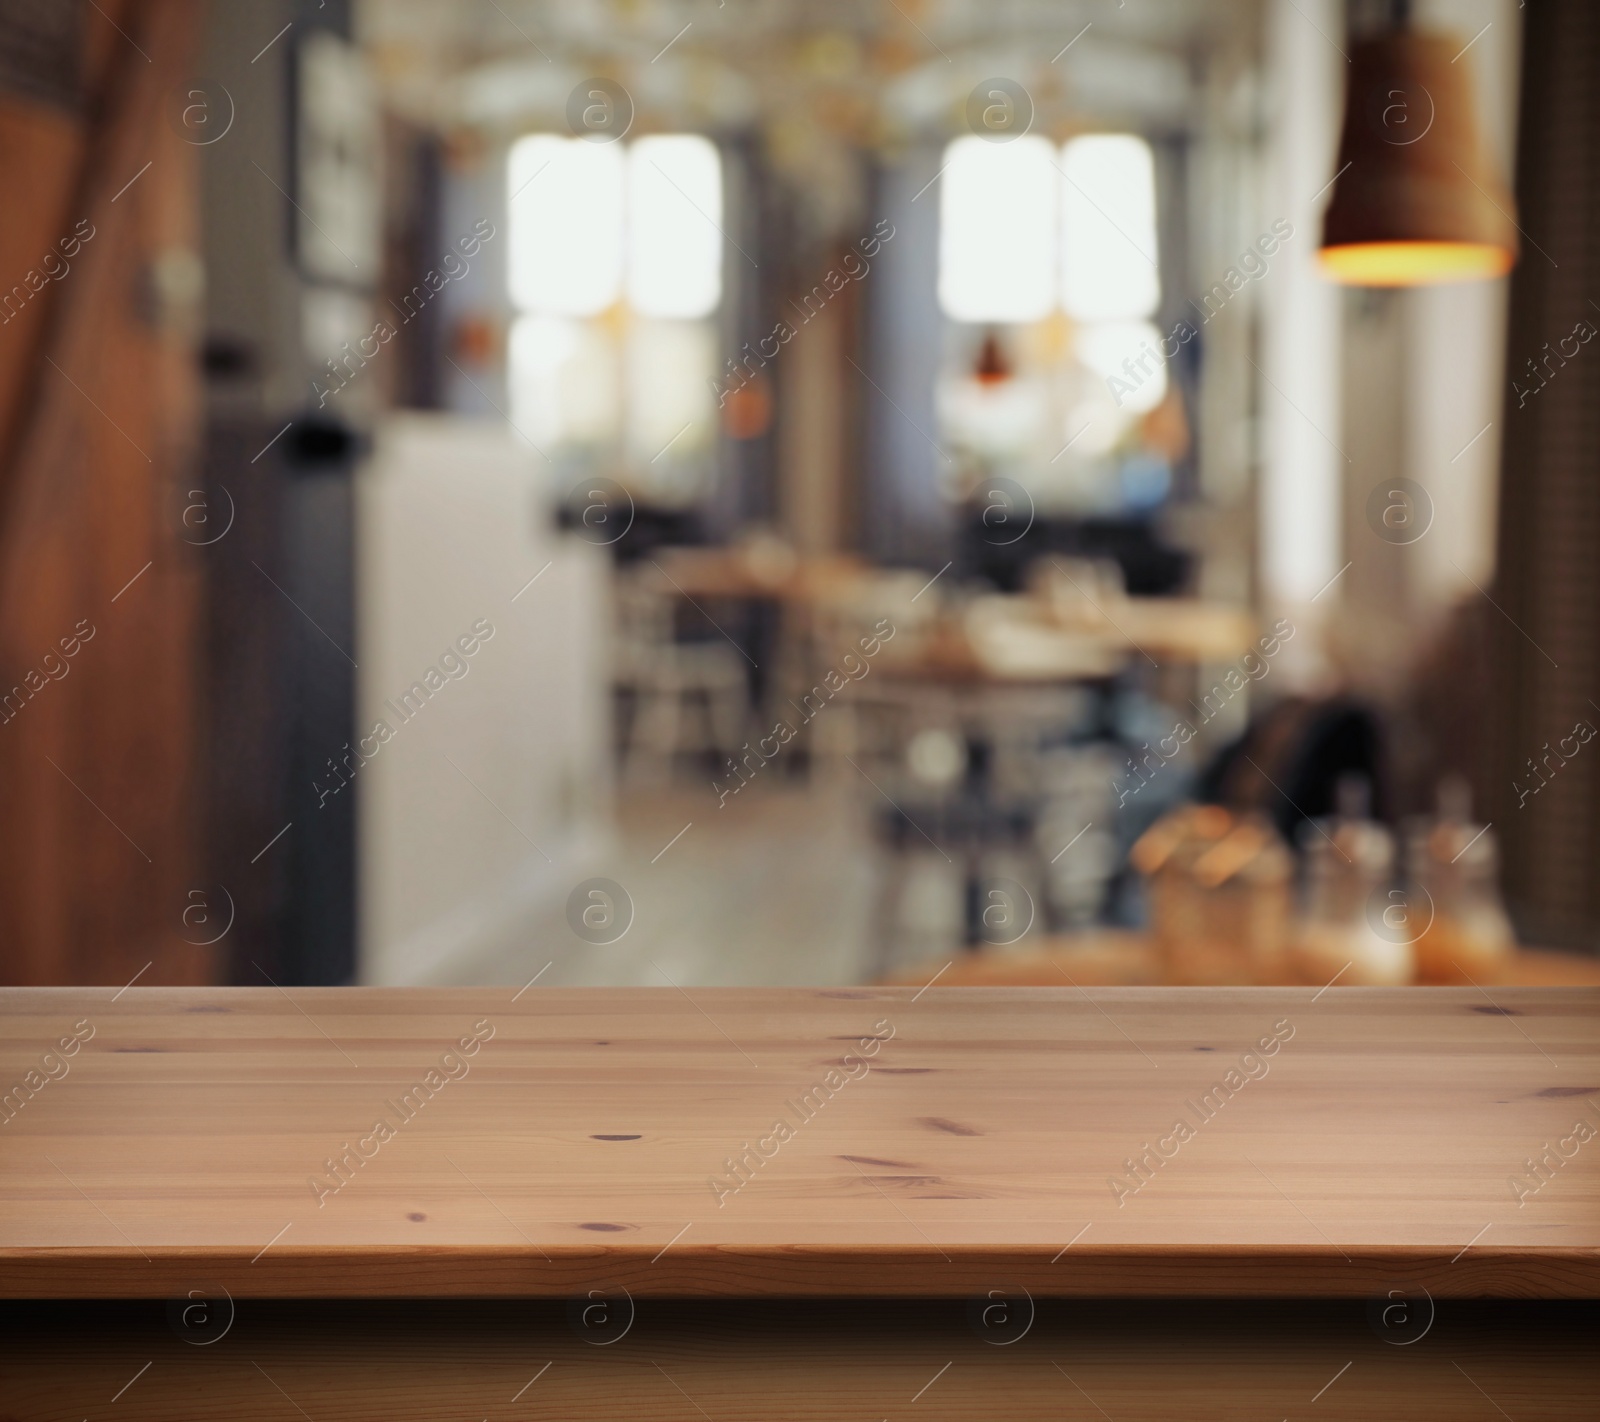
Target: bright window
1129	353
615	264
671	407
564	383
1025	228
591	222
674	226
1060	244
997	230
1108	229
566	225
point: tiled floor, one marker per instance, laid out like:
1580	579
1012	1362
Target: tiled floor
776	888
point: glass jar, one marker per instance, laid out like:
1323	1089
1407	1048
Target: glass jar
1355	926
1219	897
1454	875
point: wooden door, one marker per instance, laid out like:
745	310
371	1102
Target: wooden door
99	590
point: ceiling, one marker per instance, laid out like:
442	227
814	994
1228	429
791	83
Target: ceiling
877	69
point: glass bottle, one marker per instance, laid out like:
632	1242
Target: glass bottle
1355	926
1453	865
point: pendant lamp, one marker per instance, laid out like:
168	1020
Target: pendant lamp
1417	199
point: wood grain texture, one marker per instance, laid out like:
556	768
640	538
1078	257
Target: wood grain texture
686	1362
100	596
989	1136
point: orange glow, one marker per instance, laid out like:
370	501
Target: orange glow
1413	263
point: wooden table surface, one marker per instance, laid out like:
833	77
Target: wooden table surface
981	1138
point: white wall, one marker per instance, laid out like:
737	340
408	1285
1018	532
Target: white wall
1456	340
1298	396
481	808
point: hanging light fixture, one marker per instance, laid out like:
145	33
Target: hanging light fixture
1416	199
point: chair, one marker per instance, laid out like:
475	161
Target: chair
687	697
860	721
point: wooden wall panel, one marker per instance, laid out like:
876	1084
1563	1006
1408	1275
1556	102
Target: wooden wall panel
97	744
1547	647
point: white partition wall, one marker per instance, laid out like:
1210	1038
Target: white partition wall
482	775
1299	391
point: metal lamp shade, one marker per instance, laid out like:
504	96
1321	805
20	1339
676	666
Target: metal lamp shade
1416	199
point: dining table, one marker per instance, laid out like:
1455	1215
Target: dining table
891	1201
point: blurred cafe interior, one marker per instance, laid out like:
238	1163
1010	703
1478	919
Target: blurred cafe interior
795	492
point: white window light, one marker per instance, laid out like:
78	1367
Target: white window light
1128	356
671	410
565	200
997	230
1108	228
590	222
564	381
674	226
